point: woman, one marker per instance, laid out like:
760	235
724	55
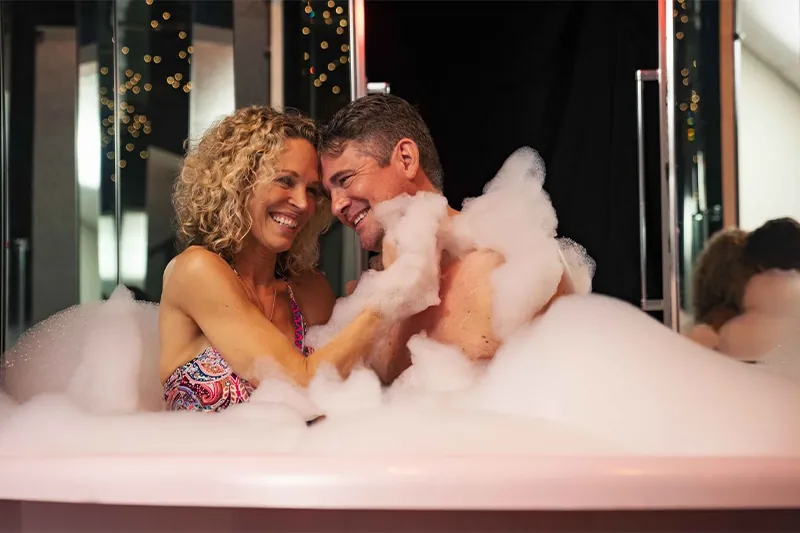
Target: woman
238	301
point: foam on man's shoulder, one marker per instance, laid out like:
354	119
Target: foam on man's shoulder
516	218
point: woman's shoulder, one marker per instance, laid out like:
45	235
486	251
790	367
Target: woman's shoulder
193	264
315	296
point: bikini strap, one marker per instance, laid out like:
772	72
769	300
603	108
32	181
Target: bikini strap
299	322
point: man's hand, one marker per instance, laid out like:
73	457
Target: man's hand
350	287
388	254
376	262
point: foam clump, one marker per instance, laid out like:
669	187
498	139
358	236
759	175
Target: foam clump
591	376
44	357
601	365
411	284
103	356
515	218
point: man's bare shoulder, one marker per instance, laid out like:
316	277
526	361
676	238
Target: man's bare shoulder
473	264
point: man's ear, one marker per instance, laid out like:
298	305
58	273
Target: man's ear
406	157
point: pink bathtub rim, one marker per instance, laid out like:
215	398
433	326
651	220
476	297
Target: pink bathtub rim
408	483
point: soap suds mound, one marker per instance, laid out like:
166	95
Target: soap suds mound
515	218
592	376
408	286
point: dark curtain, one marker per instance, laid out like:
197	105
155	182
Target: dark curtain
490	77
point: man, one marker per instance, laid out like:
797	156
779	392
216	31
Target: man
372	150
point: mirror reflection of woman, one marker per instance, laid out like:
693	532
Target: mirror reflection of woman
237	302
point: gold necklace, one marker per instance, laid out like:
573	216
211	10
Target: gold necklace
252	293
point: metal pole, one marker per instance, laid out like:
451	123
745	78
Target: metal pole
669	190
21	246
117	137
354	259
4	218
641	77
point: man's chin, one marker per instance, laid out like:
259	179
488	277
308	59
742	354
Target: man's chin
371	240
370	246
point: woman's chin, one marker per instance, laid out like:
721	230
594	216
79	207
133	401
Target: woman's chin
278	244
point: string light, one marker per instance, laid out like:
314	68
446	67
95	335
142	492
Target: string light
326	34
135	124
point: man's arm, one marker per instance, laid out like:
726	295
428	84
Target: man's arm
390	357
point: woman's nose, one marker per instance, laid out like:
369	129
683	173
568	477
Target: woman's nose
299	198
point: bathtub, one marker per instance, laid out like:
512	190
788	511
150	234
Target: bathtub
248	493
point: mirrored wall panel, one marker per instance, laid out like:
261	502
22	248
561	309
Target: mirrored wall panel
101	100
697	131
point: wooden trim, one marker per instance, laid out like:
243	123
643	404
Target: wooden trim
727	74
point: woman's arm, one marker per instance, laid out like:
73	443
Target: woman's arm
202	286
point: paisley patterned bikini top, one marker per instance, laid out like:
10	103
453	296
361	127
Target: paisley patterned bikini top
207	382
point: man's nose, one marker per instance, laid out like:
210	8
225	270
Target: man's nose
339	203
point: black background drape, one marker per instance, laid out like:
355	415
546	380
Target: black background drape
490	77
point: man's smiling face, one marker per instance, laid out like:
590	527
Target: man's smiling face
356	183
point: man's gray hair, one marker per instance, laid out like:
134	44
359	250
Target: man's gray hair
378	122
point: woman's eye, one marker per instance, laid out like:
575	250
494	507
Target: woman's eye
286	181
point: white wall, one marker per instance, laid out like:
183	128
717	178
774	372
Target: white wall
213	91
54	247
768	144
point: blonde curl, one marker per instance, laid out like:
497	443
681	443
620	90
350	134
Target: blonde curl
217	178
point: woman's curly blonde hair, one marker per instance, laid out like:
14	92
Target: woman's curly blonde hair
217	178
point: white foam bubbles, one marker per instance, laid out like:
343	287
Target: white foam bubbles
592	376
45	356
600	365
411	283
515	218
